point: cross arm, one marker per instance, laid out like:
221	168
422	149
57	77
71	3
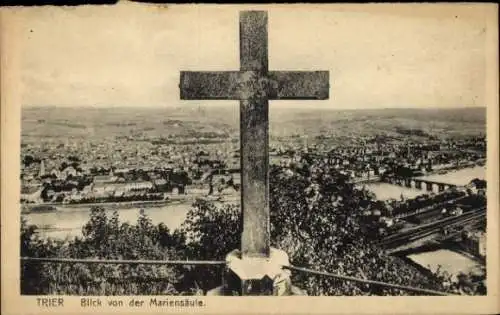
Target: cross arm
306	85
203	85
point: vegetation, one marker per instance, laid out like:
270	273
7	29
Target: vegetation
315	217
103	238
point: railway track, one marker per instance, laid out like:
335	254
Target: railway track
435	207
423	231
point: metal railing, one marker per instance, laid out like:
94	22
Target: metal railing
219	262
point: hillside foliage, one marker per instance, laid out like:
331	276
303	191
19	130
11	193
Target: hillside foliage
315	218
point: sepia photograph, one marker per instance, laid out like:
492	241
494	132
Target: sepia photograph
197	151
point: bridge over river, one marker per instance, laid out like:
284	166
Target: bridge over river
409	182
418	183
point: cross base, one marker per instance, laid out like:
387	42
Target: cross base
257	275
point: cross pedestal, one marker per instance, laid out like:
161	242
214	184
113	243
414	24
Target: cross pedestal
257	275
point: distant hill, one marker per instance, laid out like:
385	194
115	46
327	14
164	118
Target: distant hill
223	121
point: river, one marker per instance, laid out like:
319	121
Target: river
446	260
69	221
451	262
385	191
459	177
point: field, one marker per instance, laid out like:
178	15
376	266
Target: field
222	122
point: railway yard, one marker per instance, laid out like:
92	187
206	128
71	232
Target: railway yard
439	229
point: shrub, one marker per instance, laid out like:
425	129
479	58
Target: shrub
103	238
315	218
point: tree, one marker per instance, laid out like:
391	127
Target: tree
103	238
74	158
316	217
28	160
212	232
64	165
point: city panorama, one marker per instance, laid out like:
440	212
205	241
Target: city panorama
392	195
224	151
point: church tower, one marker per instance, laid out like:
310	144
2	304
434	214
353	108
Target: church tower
42	169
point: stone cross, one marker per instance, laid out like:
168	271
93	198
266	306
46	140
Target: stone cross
254	85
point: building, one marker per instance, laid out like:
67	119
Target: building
31	194
475	243
142	185
104	179
160	184
70	170
114	187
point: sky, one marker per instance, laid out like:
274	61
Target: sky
131	55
